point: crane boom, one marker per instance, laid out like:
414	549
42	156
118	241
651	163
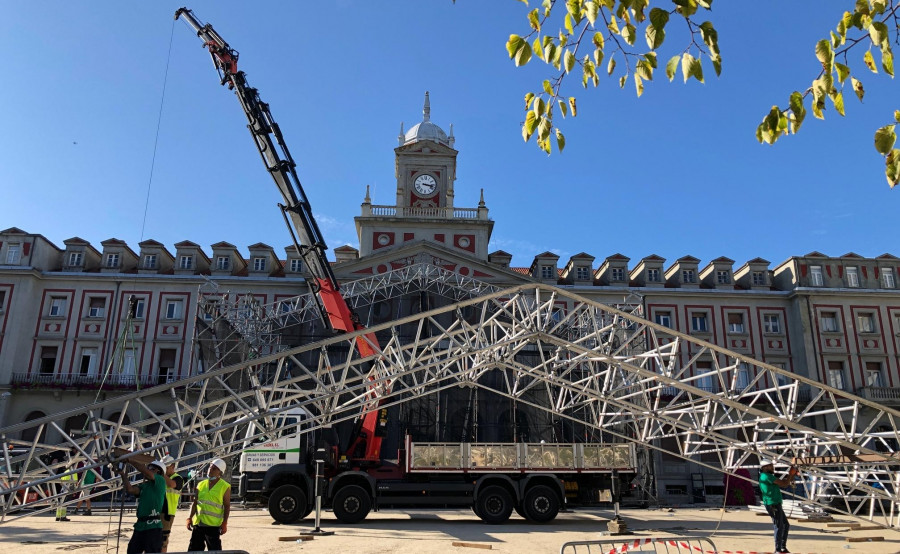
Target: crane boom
308	240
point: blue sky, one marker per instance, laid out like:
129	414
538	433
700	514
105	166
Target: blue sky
677	172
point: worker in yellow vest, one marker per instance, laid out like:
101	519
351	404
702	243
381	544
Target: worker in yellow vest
174	483
209	512
68	483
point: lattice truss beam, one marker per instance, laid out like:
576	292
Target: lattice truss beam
590	362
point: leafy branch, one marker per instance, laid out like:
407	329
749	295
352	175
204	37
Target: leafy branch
612	27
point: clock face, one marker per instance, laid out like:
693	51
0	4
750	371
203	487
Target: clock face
425	184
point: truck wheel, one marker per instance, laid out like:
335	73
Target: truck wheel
352	504
541	504
494	505
288	504
521	511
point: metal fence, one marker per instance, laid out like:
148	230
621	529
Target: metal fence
657	545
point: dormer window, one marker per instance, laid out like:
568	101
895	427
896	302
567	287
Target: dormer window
617	274
582	273
76	259
150	261
112	260
653	275
546	272
723	277
296	265
223	263
852	276
687	276
13	254
186	262
887	277
259	264
758	278
815	276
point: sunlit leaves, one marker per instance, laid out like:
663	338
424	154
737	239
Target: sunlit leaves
870	61
773	126
825	54
892	167
672	66
798	112
691	67
843	72
519	50
885	138
857	88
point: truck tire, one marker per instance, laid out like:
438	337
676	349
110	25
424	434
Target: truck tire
351	504
494	505
541	504
288	504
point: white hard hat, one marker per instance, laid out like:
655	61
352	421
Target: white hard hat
168	460
766	462
159	464
219	463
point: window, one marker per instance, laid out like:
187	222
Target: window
664	319
865	322
741	377
48	359
546	272
128	366
57	306
772	323
186	262
653	275
617	274
687	276
88	361
139	308
836	374
783	380
582	273
887	278
735	323
829	322
166	373
723	277
815	276
12	254
173	309
97	306
699	323
758	278
223	263
705	382
112	260
259	264
76	259
150	261
873	374
852	277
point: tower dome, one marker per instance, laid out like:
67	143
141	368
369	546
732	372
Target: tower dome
426	130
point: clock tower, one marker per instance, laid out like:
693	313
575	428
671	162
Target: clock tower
424	209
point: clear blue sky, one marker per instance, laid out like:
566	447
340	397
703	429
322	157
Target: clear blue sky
677	172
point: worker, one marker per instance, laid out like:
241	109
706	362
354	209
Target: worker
68	482
174	484
209	512
88	481
770	487
151	497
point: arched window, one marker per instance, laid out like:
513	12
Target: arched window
30	433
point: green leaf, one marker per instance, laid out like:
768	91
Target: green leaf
857	88
560	141
843	71
598	40
887	61
534	19
629	33
572	106
563	109
797	109
870	61
691	67
568	24
543	129
651	59
547	87
658	18
539	108
569	60
574	9
622	80
878	32
892	167
611	66
638	85
838	100
897	116
644	69
654	36
717	65
513	44
598	57
591	10
686	8
529	126
537	48
528	98
825	54
672	66
613	25
884	139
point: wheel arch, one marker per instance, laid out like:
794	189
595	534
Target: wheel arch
286	474
359	478
498	479
548	479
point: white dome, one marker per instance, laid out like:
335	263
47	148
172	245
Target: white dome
426	130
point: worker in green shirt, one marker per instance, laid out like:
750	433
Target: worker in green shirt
151	495
770	487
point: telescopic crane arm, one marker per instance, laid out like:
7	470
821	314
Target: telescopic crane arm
298	215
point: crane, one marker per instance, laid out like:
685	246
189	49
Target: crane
365	444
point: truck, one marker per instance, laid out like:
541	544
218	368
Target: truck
534	479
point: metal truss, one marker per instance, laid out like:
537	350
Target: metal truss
539	345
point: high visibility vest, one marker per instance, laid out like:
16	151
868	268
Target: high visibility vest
172	497
211	503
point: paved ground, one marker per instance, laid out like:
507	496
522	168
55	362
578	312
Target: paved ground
420	532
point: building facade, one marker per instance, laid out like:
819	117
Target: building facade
80	323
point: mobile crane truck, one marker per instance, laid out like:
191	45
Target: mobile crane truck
534	479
